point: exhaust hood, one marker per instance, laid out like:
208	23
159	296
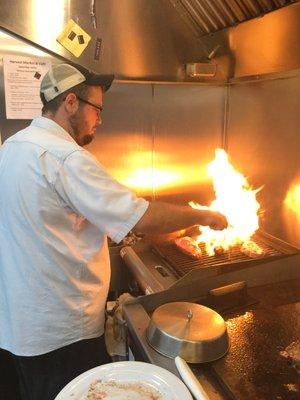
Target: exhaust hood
164	40
134	39
207	16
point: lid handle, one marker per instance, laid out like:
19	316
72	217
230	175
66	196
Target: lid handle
190	315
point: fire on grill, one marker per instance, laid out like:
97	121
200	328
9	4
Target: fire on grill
237	201
159	263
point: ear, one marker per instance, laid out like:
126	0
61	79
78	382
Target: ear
71	103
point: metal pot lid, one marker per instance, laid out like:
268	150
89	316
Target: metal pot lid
189	321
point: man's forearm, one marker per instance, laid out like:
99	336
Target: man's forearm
165	218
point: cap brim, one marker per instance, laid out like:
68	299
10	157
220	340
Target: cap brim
104	81
94	79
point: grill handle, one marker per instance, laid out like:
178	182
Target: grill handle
228	296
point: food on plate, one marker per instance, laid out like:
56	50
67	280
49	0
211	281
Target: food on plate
189	246
113	390
251	249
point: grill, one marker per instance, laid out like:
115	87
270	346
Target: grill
182	264
157	267
258	298
254	367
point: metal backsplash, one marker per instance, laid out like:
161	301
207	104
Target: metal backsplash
158	138
263	141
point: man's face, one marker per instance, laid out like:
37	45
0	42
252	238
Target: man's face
86	119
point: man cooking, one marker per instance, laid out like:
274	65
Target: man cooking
58	205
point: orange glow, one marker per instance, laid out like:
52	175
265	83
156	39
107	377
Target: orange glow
237	201
147	178
248	316
291	212
292	200
151	176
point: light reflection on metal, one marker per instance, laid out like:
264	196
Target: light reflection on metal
271	28
292	200
131	42
146	178
171	179
10	45
248	316
291	211
43	12
143	178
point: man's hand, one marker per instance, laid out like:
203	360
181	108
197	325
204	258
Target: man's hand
215	220
163	218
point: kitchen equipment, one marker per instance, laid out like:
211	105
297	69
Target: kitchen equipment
257	366
190	380
161	266
194	332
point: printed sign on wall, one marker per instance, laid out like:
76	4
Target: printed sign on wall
22	78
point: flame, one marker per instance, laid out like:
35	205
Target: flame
237	201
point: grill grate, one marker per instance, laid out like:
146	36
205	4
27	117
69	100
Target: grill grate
182	263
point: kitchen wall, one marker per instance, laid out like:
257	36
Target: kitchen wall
263	140
158	138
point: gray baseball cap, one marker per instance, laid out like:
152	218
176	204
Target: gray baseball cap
62	77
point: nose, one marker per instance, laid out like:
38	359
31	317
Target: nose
99	119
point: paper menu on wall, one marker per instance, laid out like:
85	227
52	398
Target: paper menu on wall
22	77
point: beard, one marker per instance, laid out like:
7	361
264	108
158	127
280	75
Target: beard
77	125
85	140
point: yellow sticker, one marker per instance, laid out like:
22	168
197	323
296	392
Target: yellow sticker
74	38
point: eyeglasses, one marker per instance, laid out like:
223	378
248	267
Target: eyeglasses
99	108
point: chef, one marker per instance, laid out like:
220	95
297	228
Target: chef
58	205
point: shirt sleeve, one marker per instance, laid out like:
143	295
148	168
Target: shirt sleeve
91	192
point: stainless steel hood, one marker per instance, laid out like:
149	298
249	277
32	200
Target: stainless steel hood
135	39
153	40
207	16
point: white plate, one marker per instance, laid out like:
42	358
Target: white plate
171	387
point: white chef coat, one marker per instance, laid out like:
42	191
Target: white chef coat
57	204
